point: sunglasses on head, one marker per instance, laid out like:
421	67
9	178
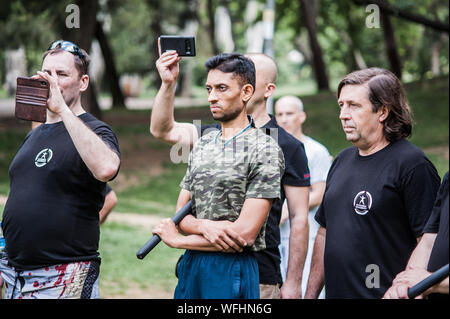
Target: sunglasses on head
67	46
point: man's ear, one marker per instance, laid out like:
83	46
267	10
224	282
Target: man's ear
383	113
270	89
84	82
246	92
302	117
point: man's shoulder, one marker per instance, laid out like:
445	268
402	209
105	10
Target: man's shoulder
292	148
91	121
285	139
405	155
346	153
407	148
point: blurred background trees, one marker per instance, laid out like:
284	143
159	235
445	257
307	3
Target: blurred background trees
315	42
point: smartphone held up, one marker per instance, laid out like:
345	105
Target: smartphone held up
184	45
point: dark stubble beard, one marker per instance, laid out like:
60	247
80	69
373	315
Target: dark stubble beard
228	116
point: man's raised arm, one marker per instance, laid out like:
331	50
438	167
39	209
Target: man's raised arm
162	123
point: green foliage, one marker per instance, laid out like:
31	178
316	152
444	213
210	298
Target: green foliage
130	37
10	142
34	24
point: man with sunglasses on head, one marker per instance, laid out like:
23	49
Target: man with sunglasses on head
58	177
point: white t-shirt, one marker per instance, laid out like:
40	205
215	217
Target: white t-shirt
319	162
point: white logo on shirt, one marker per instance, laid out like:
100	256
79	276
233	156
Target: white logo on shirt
43	157
362	202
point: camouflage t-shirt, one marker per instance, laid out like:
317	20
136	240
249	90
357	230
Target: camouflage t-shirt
221	176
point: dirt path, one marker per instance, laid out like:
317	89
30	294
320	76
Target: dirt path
135	292
136	220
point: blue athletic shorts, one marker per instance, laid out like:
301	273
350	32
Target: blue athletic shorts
217	275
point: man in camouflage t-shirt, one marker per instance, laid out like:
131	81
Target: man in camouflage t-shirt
232	178
220	177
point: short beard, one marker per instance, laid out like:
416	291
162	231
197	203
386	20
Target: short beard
228	117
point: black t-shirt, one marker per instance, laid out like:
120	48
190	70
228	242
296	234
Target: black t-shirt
438	223
373	209
52	212
296	174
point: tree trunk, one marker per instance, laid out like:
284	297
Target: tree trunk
391	46
156	30
435	54
190	27
118	100
350	37
308	11
83	38
212	28
254	35
224	28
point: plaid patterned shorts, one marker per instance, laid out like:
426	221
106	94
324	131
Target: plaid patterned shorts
78	280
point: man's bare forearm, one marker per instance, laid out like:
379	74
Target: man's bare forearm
421	254
190	225
316	194
162	116
297	202
316	278
298	248
195	242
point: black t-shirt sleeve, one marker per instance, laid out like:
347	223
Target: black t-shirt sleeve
320	217
297	170
419	187
108	136
320	214
432	225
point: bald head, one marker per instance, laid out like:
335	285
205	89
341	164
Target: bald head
266	75
290	116
292	101
265	66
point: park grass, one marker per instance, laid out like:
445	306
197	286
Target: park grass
120	268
